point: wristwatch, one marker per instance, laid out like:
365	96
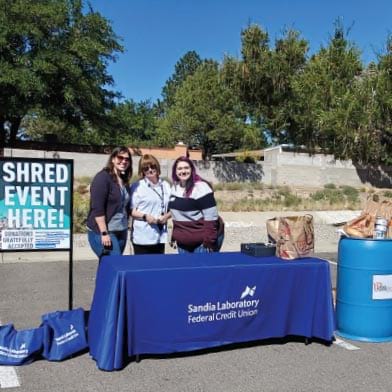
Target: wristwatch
144	217
104	233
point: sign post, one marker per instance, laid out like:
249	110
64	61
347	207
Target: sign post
36	205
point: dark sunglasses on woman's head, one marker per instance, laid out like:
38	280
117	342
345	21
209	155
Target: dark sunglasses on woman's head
147	168
121	158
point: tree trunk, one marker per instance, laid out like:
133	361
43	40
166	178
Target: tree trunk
2	133
15	124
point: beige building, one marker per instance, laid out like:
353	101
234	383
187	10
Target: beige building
180	149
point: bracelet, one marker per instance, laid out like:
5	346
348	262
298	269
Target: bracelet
144	217
103	233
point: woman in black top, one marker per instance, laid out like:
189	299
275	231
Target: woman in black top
107	221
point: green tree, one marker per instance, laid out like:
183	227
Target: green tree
131	123
383	94
36	126
327	78
184	67
53	59
361	122
204	113
254	83
288	59
263	76
350	123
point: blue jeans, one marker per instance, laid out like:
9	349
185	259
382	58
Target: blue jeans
118	238
202	249
219	242
199	249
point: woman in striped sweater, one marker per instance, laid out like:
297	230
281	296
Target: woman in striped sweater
193	208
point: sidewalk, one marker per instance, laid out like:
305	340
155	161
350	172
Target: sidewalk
240	227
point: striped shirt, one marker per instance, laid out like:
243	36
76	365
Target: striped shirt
195	218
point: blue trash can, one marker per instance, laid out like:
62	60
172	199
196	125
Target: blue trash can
364	289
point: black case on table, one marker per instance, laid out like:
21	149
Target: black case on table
258	249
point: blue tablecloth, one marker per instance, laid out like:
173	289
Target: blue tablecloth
168	303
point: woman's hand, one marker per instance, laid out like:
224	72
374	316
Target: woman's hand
162	219
106	241
151	220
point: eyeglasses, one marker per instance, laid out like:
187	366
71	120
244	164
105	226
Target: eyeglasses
148	168
120	158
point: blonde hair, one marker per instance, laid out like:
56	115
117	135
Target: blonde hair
148	160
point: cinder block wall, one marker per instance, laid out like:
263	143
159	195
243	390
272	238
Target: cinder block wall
278	168
302	169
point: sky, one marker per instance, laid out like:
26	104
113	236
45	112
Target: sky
157	33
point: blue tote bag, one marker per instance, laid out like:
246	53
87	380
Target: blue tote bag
20	347
65	334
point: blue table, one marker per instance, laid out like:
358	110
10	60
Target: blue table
154	304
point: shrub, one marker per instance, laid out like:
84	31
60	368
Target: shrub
82	189
344	197
239	186
84	180
257	185
329	195
291	200
336	197
387	194
234	186
245	157
81	205
218	187
318	195
351	193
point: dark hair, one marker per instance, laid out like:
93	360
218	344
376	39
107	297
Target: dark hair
148	160
190	183
126	177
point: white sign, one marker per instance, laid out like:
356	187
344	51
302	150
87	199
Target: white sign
382	287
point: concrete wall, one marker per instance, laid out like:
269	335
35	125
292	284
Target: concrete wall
88	164
278	168
302	169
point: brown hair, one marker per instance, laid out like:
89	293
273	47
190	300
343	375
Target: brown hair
190	183
110	167
148	160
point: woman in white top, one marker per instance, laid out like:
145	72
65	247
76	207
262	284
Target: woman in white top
149	200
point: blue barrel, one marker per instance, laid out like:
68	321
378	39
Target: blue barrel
364	289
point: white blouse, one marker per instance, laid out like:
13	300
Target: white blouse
151	199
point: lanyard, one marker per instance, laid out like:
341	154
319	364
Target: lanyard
160	195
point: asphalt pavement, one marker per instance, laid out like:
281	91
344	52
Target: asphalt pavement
30	289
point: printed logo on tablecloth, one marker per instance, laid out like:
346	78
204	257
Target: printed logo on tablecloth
227	310
248	292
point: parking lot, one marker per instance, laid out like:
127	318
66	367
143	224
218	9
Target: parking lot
29	290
